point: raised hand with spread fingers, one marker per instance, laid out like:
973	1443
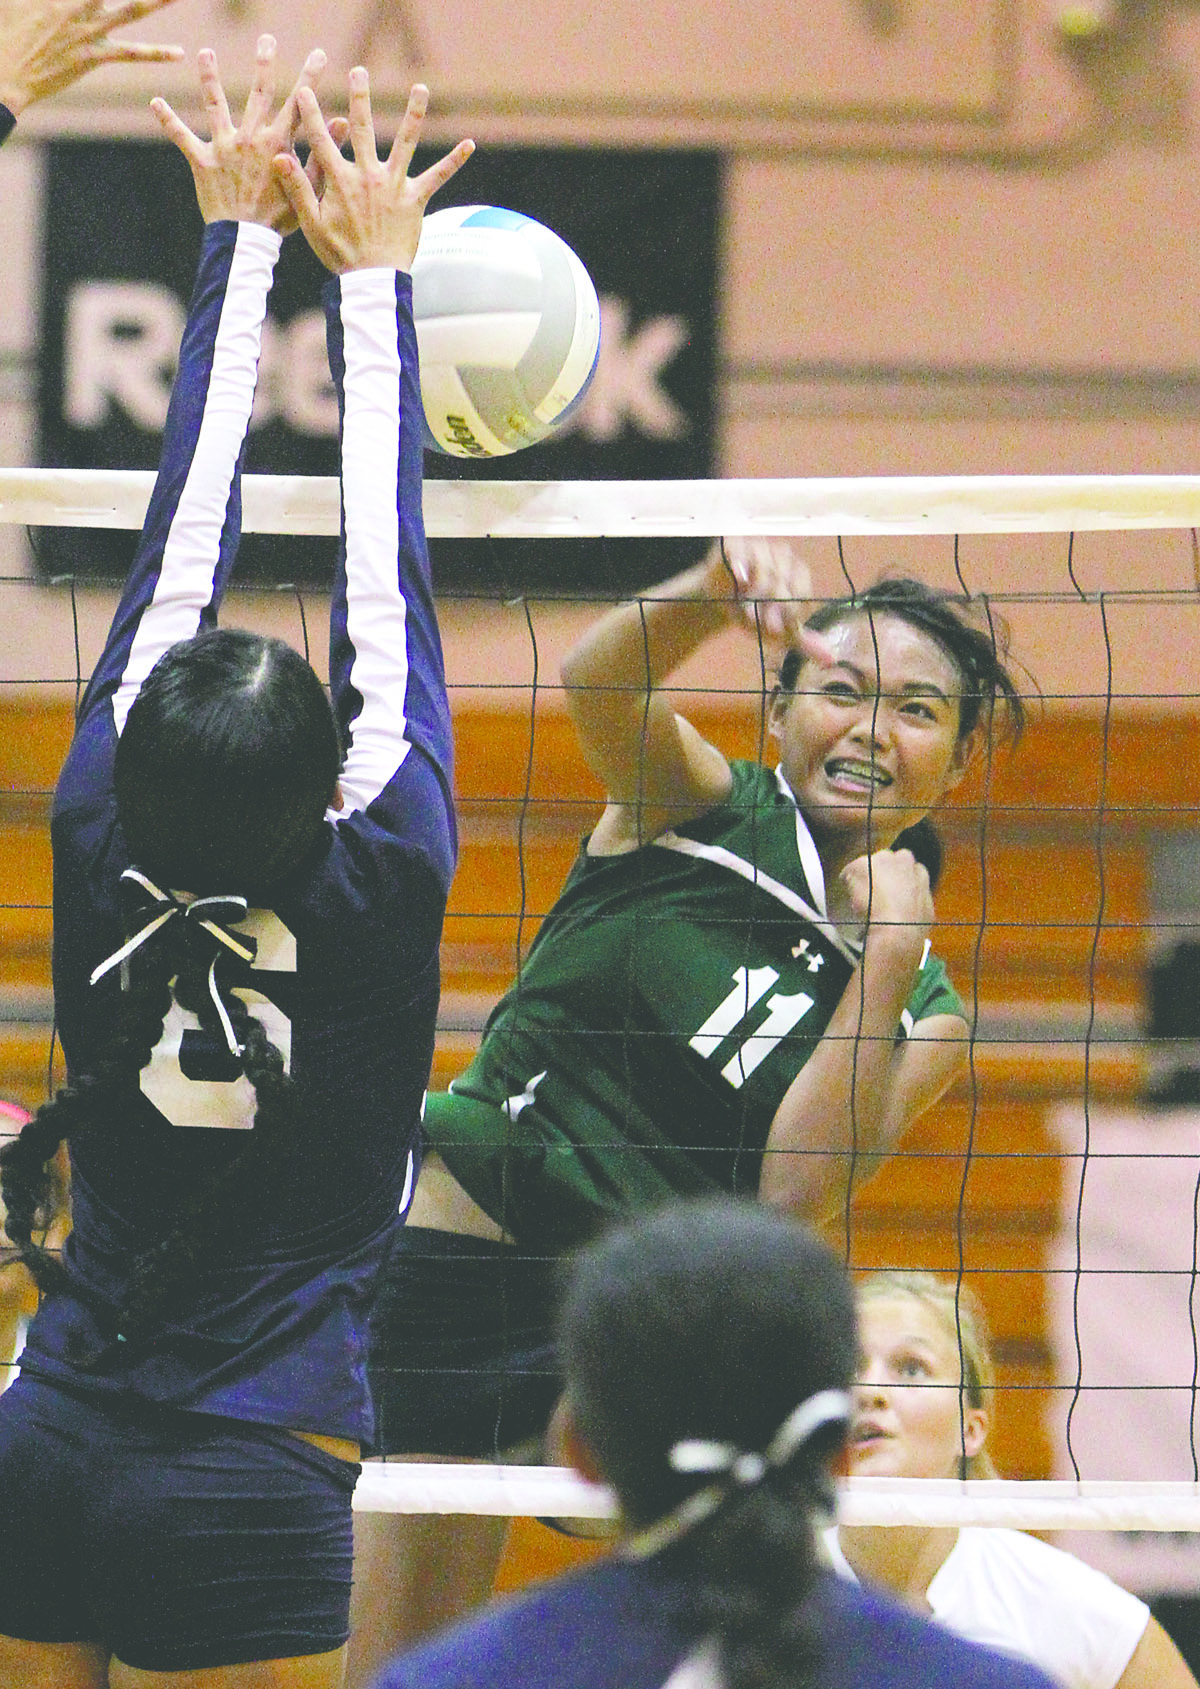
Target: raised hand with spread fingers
369	215
46	47
234	170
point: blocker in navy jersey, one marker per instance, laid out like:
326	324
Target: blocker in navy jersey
344	968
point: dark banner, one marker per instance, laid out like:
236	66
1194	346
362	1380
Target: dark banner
121	239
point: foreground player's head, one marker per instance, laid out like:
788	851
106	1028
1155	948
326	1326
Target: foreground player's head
227	763
708	1351
926	1378
713	1320
887	728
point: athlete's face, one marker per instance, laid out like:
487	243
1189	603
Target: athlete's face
907	1421
870	744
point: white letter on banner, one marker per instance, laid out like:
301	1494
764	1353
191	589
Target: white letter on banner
121	346
626	386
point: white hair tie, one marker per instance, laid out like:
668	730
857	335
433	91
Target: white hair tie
214	914
735	1469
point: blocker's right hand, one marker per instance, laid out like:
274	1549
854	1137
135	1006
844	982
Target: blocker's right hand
369	215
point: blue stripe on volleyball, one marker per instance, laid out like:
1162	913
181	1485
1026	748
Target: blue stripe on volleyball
494	217
499	396
568	411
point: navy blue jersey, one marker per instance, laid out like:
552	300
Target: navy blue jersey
625	1625
272	1324
7	124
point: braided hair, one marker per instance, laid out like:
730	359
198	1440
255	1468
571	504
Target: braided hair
979	652
715	1320
30	1189
174	967
227	763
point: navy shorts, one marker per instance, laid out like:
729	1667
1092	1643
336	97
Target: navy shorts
462	1348
178	1541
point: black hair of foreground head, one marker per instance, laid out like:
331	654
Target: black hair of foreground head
714	1320
979	652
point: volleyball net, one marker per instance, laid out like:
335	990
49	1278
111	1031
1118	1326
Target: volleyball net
1060	1178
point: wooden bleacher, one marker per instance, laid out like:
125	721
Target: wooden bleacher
1065	888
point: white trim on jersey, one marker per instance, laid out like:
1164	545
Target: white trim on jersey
722	858
184	588
806	846
406	1195
376	611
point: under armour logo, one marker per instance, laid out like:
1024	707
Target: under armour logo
515	1106
814	958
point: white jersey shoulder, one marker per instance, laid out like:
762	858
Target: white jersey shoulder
1013	1592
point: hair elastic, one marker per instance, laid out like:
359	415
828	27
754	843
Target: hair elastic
214	914
735	1469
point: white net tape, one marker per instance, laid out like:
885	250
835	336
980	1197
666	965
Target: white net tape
556	1492
947	504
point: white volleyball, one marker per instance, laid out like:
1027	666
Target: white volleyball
508	327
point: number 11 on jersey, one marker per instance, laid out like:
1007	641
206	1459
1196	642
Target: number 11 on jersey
750	986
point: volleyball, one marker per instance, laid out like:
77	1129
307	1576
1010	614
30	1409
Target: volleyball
508	328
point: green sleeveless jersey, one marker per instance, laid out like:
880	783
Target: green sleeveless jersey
670	998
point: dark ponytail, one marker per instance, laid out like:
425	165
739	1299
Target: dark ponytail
29	1185
752	1569
714	1321
181	952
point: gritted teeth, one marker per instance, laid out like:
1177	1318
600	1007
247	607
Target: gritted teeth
868	772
